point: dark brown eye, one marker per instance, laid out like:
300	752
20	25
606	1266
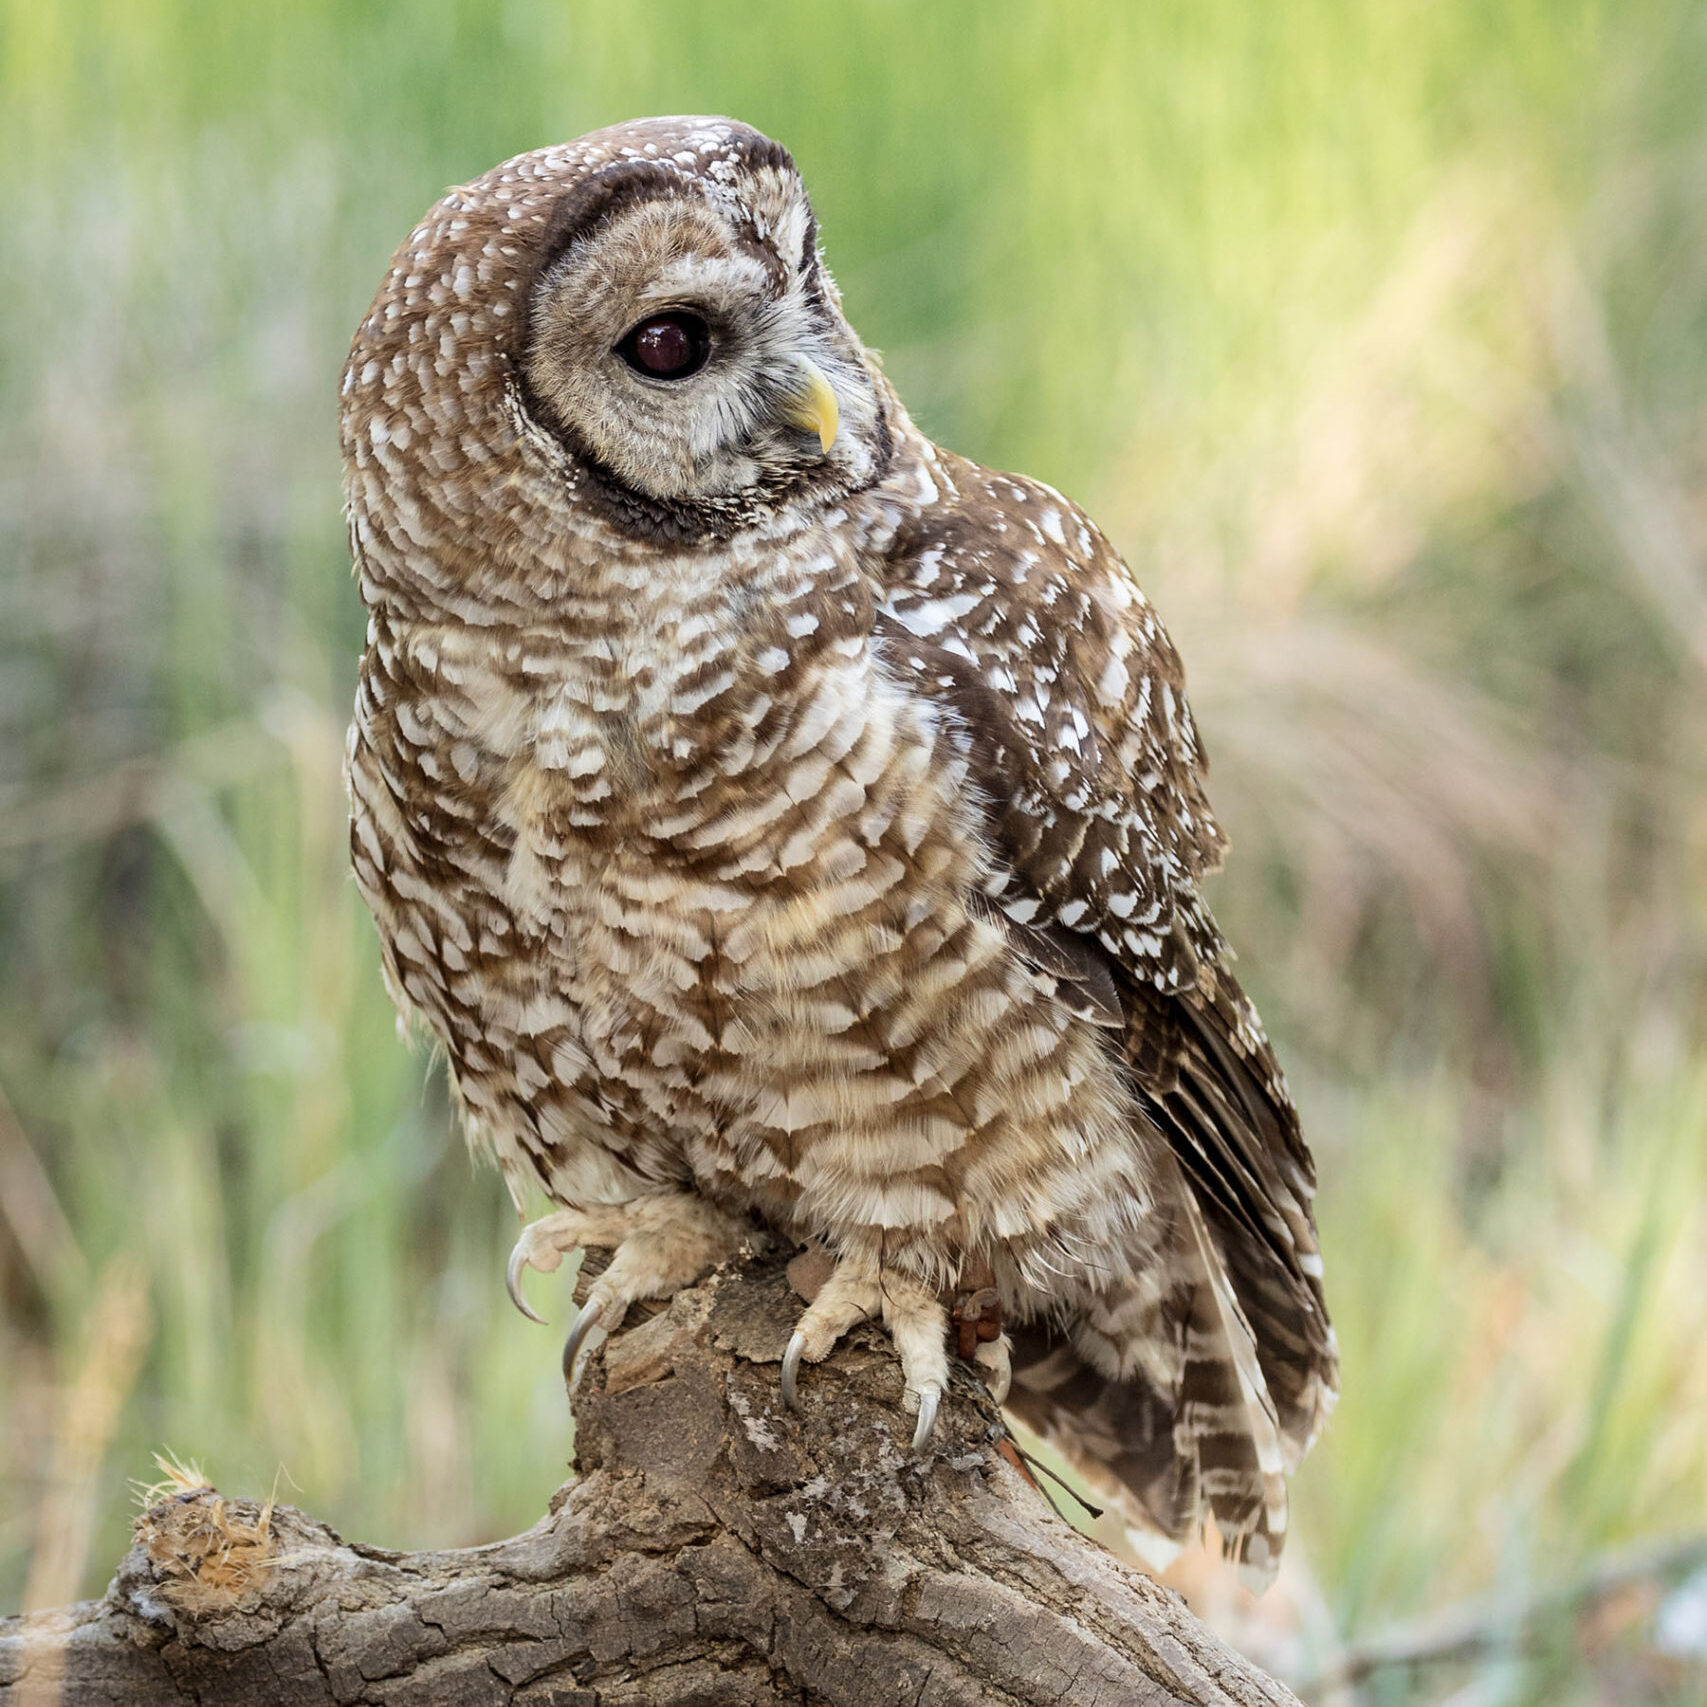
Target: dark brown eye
668	346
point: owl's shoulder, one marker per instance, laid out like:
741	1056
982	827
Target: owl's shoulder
1017	545
1006	603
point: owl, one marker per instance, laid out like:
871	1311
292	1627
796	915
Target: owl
787	827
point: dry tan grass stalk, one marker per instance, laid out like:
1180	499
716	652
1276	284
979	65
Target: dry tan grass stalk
88	1415
30	1208
89	1410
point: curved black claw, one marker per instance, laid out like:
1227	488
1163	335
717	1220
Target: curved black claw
927	1418
584	1325
790	1369
513	1281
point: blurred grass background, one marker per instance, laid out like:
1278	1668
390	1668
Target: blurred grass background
1376	335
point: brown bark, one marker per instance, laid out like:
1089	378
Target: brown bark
714	1549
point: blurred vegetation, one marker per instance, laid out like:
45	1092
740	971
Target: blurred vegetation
1376	334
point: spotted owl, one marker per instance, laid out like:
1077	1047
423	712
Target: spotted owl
789	828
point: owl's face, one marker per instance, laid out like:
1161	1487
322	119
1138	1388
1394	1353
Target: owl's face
683	341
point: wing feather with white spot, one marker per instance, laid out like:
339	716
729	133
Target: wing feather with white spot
1007	602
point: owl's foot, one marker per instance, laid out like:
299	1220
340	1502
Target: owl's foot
856	1292
660	1245
977	1319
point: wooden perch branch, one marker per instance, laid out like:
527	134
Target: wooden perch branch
714	1549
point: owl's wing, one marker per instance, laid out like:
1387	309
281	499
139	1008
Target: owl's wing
1012	607
1004	603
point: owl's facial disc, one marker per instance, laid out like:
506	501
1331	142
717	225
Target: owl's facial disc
686	344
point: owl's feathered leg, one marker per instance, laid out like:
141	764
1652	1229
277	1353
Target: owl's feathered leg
856	1291
660	1245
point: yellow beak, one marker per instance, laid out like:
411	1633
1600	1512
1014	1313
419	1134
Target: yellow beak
812	405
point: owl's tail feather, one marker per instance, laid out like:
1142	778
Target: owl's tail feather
1178	1440
1227	1419
1117	1435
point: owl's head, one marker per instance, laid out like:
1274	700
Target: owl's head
682	339
622	343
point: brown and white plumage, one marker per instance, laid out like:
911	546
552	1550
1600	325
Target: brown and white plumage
781	821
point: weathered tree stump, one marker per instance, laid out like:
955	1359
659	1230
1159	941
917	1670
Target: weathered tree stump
714	1549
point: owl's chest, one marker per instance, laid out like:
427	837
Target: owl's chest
642	861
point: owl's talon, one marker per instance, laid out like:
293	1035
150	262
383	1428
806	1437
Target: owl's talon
584	1325
658	1244
791	1368
928	1400
544	1243
513	1280
856	1290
